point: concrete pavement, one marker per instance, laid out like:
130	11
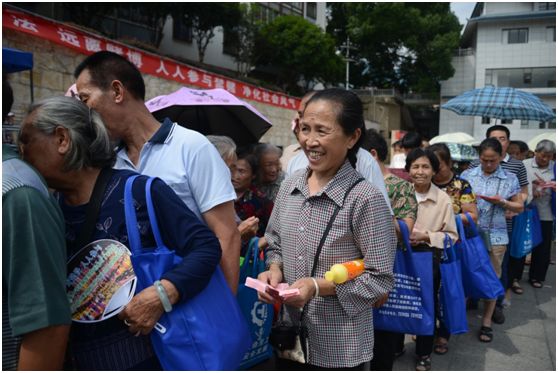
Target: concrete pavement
526	341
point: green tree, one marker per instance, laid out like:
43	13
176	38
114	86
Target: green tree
241	38
203	18
297	50
407	45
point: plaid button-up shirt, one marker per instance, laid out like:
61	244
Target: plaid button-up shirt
340	327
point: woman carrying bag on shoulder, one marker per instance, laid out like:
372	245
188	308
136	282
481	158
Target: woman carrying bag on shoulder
325	215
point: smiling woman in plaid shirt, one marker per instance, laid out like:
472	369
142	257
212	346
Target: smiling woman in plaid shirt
338	317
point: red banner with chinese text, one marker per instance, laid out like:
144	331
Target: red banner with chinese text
148	63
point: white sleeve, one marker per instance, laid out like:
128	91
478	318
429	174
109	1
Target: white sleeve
298	162
209	178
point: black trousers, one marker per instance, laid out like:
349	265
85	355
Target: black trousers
283	364
540	257
386	344
425	343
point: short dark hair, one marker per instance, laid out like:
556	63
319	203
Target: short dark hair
411	140
442	151
373	140
498	127
397	143
348	107
251	159
105	67
523	147
418	153
490	143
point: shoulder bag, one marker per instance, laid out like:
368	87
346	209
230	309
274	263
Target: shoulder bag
207	332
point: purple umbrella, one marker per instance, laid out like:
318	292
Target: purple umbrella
211	112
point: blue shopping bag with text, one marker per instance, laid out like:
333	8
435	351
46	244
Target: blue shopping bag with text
259	315
410	306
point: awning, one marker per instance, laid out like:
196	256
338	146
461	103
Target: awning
14	60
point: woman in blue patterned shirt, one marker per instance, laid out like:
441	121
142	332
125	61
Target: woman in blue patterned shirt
497	190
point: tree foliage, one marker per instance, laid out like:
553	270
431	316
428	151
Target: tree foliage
296	50
241	37
407	45
203	18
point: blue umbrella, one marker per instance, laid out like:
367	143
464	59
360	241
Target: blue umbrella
501	103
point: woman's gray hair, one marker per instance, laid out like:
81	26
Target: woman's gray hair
224	144
546	146
90	145
265	148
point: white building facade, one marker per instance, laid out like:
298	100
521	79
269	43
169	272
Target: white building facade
505	45
179	42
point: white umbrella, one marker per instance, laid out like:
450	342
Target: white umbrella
454	137
543	136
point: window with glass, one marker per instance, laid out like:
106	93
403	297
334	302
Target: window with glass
551	34
515	36
547	6
312	10
181	32
531	77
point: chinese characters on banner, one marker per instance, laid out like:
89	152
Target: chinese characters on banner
146	62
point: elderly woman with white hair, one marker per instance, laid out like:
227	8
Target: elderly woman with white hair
68	144
541	173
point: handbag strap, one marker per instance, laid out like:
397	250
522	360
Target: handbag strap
92	211
151	213
405	234
328	228
448	252
493	207
131	219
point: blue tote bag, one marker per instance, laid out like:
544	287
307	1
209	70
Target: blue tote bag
259	316
207	332
479	279
526	232
410	306
452	295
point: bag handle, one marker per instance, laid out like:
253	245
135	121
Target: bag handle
253	252
131	218
448	254
405	234
472	224
151	213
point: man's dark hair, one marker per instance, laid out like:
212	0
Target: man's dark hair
104	67
523	147
411	140
498	127
7	97
397	143
418	153
373	140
